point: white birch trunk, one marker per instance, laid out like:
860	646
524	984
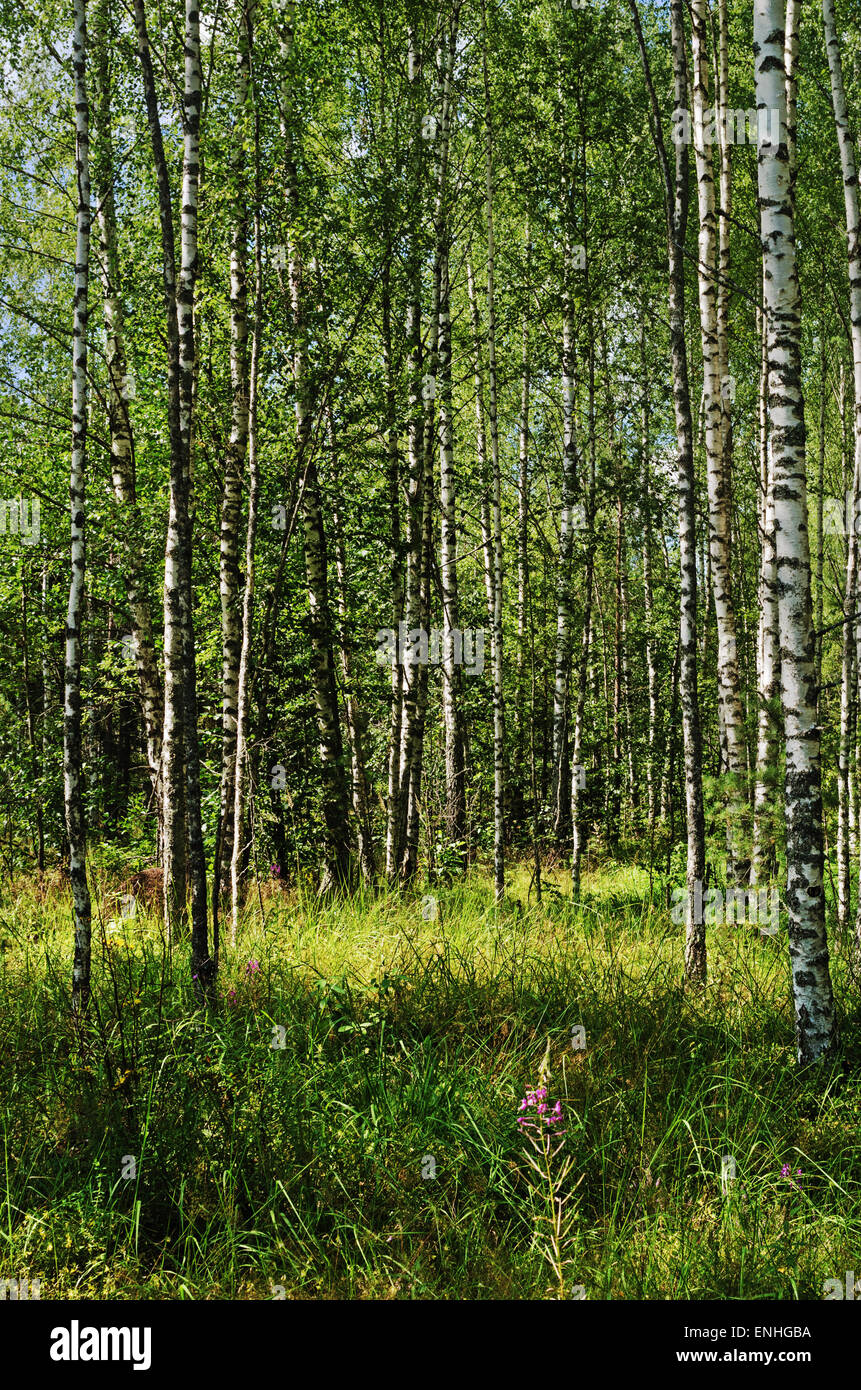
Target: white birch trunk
566	543
336	868
73	789
676	206
234	466
403	728
243	693
764	859
729	696
813	999
119	419
455	803
849	169
522	537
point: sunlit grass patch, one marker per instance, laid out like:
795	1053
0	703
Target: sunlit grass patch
343	1123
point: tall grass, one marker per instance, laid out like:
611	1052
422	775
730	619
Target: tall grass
303	1169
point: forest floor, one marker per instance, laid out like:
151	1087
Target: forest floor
344	1123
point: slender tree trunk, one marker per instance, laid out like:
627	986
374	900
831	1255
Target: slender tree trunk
522	543
633	781
614	821
716	420
668	795
355	719
648	598
764	862
812	992
72	760
578	771
201	963
455	770
724	224
243	693
119	421
495	505
172	765
844	753
846	735
335	796
491	575
180	756
437	384
481	444
849	169
234	467
676	203
422	441
394	837
820	528
407	590
30	701
354	716
455	808
566	545
533	781
855	758
411	787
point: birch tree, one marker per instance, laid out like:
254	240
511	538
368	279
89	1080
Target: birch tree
243	692
455	770
849	170
815	1023
764	859
183	832
404	760
716	437
172	764
234	465
676	208
201	963
72	757
566	530
119	388
335	800
438	438
495	607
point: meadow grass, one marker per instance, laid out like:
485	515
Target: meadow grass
302	1169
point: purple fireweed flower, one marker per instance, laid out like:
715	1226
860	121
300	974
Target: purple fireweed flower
536	1097
252	966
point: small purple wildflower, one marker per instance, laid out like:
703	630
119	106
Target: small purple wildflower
536	1097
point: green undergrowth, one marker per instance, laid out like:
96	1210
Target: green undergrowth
343	1123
